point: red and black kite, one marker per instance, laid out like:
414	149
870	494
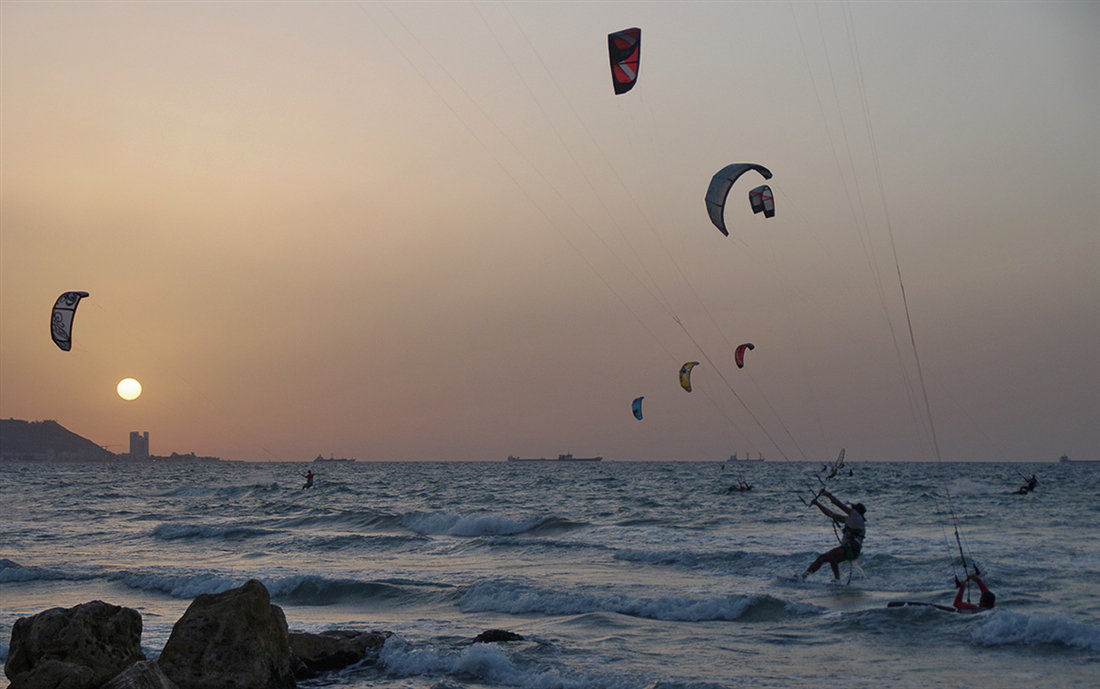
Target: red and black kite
625	49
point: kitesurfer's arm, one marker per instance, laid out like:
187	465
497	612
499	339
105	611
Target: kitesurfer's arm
979	582
838	503
828	512
959	603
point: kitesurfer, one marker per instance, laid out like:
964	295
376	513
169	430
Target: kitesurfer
852	540
741	487
1029	486
985	602
309	479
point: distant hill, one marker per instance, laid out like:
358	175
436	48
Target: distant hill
46	441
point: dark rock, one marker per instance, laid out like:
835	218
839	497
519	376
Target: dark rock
231	640
73	648
144	675
332	650
494	635
55	674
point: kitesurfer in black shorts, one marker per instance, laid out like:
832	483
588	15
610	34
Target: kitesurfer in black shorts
851	542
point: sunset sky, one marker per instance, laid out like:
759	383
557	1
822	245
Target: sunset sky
432	231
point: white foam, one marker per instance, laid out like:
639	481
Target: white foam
484	663
181	585
1004	628
450	524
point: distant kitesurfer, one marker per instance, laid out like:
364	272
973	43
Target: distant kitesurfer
309	478
986	601
741	487
1029	486
852	540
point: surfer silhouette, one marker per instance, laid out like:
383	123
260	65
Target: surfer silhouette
308	476
852	540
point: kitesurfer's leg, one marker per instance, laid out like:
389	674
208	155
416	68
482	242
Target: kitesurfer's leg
833	557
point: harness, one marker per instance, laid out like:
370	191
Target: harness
852	542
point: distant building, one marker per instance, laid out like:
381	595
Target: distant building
139	445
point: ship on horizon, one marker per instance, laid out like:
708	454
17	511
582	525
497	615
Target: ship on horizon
330	458
568	457
747	458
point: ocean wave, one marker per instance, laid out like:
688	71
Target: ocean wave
349	518
12	572
691	559
304	589
371	542
961	487
488	664
200	491
547	544
516	598
174	531
180	585
556	525
484	524
316	590
1008	628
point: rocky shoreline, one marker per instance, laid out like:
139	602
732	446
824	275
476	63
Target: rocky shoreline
231	640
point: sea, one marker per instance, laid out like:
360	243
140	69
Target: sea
618	575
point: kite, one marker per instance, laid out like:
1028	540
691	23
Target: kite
720	186
61	321
762	201
636	407
685	374
625	49
739	355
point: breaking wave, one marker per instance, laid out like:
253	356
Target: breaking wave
517	598
1003	628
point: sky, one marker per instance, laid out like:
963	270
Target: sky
431	231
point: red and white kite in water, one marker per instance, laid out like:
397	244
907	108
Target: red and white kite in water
739	354
625	49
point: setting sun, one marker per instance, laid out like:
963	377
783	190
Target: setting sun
129	389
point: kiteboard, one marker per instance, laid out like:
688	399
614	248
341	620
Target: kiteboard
830	583
913	603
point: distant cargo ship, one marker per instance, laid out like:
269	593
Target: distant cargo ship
733	458
561	458
332	459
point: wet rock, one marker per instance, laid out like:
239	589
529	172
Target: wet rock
332	650
231	640
494	635
55	674
143	675
73	648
